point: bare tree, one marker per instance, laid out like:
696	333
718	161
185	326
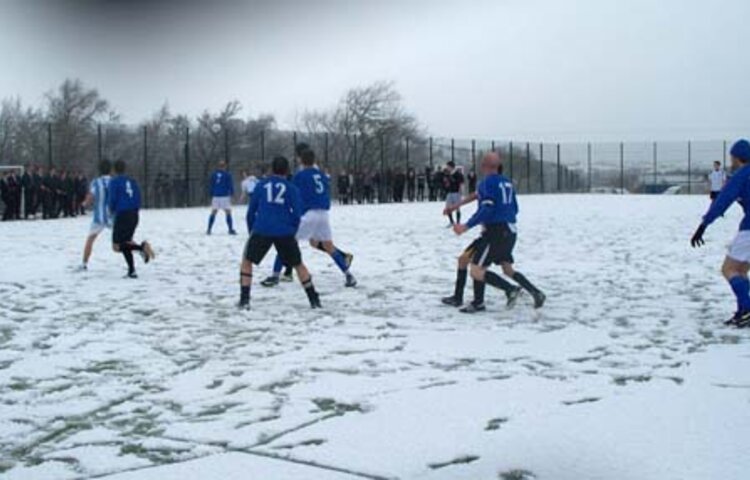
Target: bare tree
74	110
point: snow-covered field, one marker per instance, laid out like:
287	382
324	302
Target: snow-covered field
627	373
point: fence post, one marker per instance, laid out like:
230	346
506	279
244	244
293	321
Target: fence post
226	143
294	150
431	165
588	158
145	166
187	166
559	172
510	159
541	167
724	154
99	141
453	150
407	158
528	167
656	167
49	145
473	155
382	185
325	149
262	147
622	168
690	161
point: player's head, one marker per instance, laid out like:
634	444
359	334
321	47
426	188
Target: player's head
280	166
307	158
740	153
451	165
120	167
491	163
105	167
717	165
299	148
222	165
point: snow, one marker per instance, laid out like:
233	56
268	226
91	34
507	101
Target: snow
628	371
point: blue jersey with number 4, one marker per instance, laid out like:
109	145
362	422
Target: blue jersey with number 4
124	194
314	187
497	202
275	208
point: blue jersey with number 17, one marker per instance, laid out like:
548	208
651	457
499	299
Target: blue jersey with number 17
497	202
275	208
314	187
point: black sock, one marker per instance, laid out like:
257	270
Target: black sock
458	216
288	271
478	292
498	282
450	217
525	283
319	246
245	290
130	246
129	259
310	289
460	284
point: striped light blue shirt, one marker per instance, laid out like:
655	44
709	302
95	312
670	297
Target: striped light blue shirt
99	188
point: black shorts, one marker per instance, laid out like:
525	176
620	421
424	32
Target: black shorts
124	227
257	247
713	195
494	246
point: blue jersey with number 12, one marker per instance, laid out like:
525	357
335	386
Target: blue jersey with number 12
275	208
314	187
124	194
497	202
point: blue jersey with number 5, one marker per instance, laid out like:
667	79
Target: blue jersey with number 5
314	187
275	208
497	202
124	194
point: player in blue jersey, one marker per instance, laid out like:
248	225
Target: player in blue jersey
96	198
124	200
315	226
221	187
496	214
273	218
737	260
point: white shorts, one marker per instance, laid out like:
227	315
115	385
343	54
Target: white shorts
740	247
97	228
453	199
315	225
221	203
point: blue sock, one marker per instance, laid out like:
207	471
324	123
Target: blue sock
340	260
229	222
277	266
211	220
741	288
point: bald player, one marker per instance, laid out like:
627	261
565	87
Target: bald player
496	214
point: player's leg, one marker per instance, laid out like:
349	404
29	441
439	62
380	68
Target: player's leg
255	250
273	280
538	296
230	223
290	254
457	299
735	272
89	246
211	218
477	271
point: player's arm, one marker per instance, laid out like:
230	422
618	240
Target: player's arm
728	195
252	209
464	201
294	200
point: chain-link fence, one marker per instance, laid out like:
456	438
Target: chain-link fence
173	162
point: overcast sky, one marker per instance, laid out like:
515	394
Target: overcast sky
525	69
